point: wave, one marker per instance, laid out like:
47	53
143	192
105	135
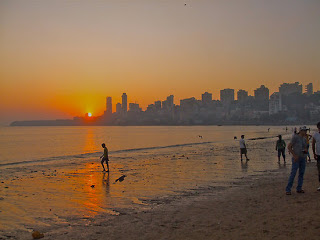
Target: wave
96	154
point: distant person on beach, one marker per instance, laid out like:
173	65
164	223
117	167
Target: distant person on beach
308	138
243	148
298	148
316	149
105	157
281	147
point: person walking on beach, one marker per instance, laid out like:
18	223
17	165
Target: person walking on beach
105	157
243	148
281	147
316	149
298	148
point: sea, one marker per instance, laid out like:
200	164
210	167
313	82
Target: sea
34	145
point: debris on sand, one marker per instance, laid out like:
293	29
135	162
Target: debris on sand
37	235
120	179
92	186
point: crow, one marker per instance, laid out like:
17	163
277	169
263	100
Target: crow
120	179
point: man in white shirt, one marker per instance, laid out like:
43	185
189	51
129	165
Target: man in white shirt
316	149
243	148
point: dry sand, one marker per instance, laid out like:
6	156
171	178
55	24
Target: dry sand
254	207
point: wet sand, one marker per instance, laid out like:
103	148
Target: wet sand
167	194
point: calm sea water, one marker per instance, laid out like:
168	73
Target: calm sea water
39	144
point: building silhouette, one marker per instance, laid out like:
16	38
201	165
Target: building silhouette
108	106
206	98
242	95
124	104
261	93
227	96
275	103
118	108
309	89
286	89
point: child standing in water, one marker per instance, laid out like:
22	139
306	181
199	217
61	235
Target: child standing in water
105	157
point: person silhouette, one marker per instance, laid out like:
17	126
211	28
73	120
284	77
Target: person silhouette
243	148
105	157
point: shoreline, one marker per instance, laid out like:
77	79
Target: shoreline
168	194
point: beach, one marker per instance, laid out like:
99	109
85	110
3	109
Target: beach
193	191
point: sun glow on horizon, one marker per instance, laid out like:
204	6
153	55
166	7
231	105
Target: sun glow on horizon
89	114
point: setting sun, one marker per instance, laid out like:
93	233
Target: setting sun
89	114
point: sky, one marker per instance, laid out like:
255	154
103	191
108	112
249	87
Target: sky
61	59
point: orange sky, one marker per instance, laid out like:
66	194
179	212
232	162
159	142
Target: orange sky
62	58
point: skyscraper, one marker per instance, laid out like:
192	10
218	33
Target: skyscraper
118	108
227	95
309	89
206	98
168	105
124	102
242	95
109	105
275	103
286	89
261	93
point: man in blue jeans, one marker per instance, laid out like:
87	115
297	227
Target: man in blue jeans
298	148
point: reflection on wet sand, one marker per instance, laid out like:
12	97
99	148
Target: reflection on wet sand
80	190
244	166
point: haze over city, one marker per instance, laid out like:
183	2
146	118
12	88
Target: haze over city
61	59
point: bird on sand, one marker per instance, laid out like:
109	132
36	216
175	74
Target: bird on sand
120	179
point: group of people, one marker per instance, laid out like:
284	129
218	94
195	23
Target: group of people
299	149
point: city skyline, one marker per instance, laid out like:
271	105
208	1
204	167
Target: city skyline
60	58
259	91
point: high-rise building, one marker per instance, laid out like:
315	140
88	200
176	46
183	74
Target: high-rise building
168	105
286	89
206	98
275	103
309	89
261	93
157	105
118	108
242	95
227	95
124	102
109	105
134	107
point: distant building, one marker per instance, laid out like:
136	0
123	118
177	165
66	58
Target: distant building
275	103
134	107
286	89
309	89
206	98
261	93
109	106
242	95
124	102
157	105
188	103
227	95
118	108
168	105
